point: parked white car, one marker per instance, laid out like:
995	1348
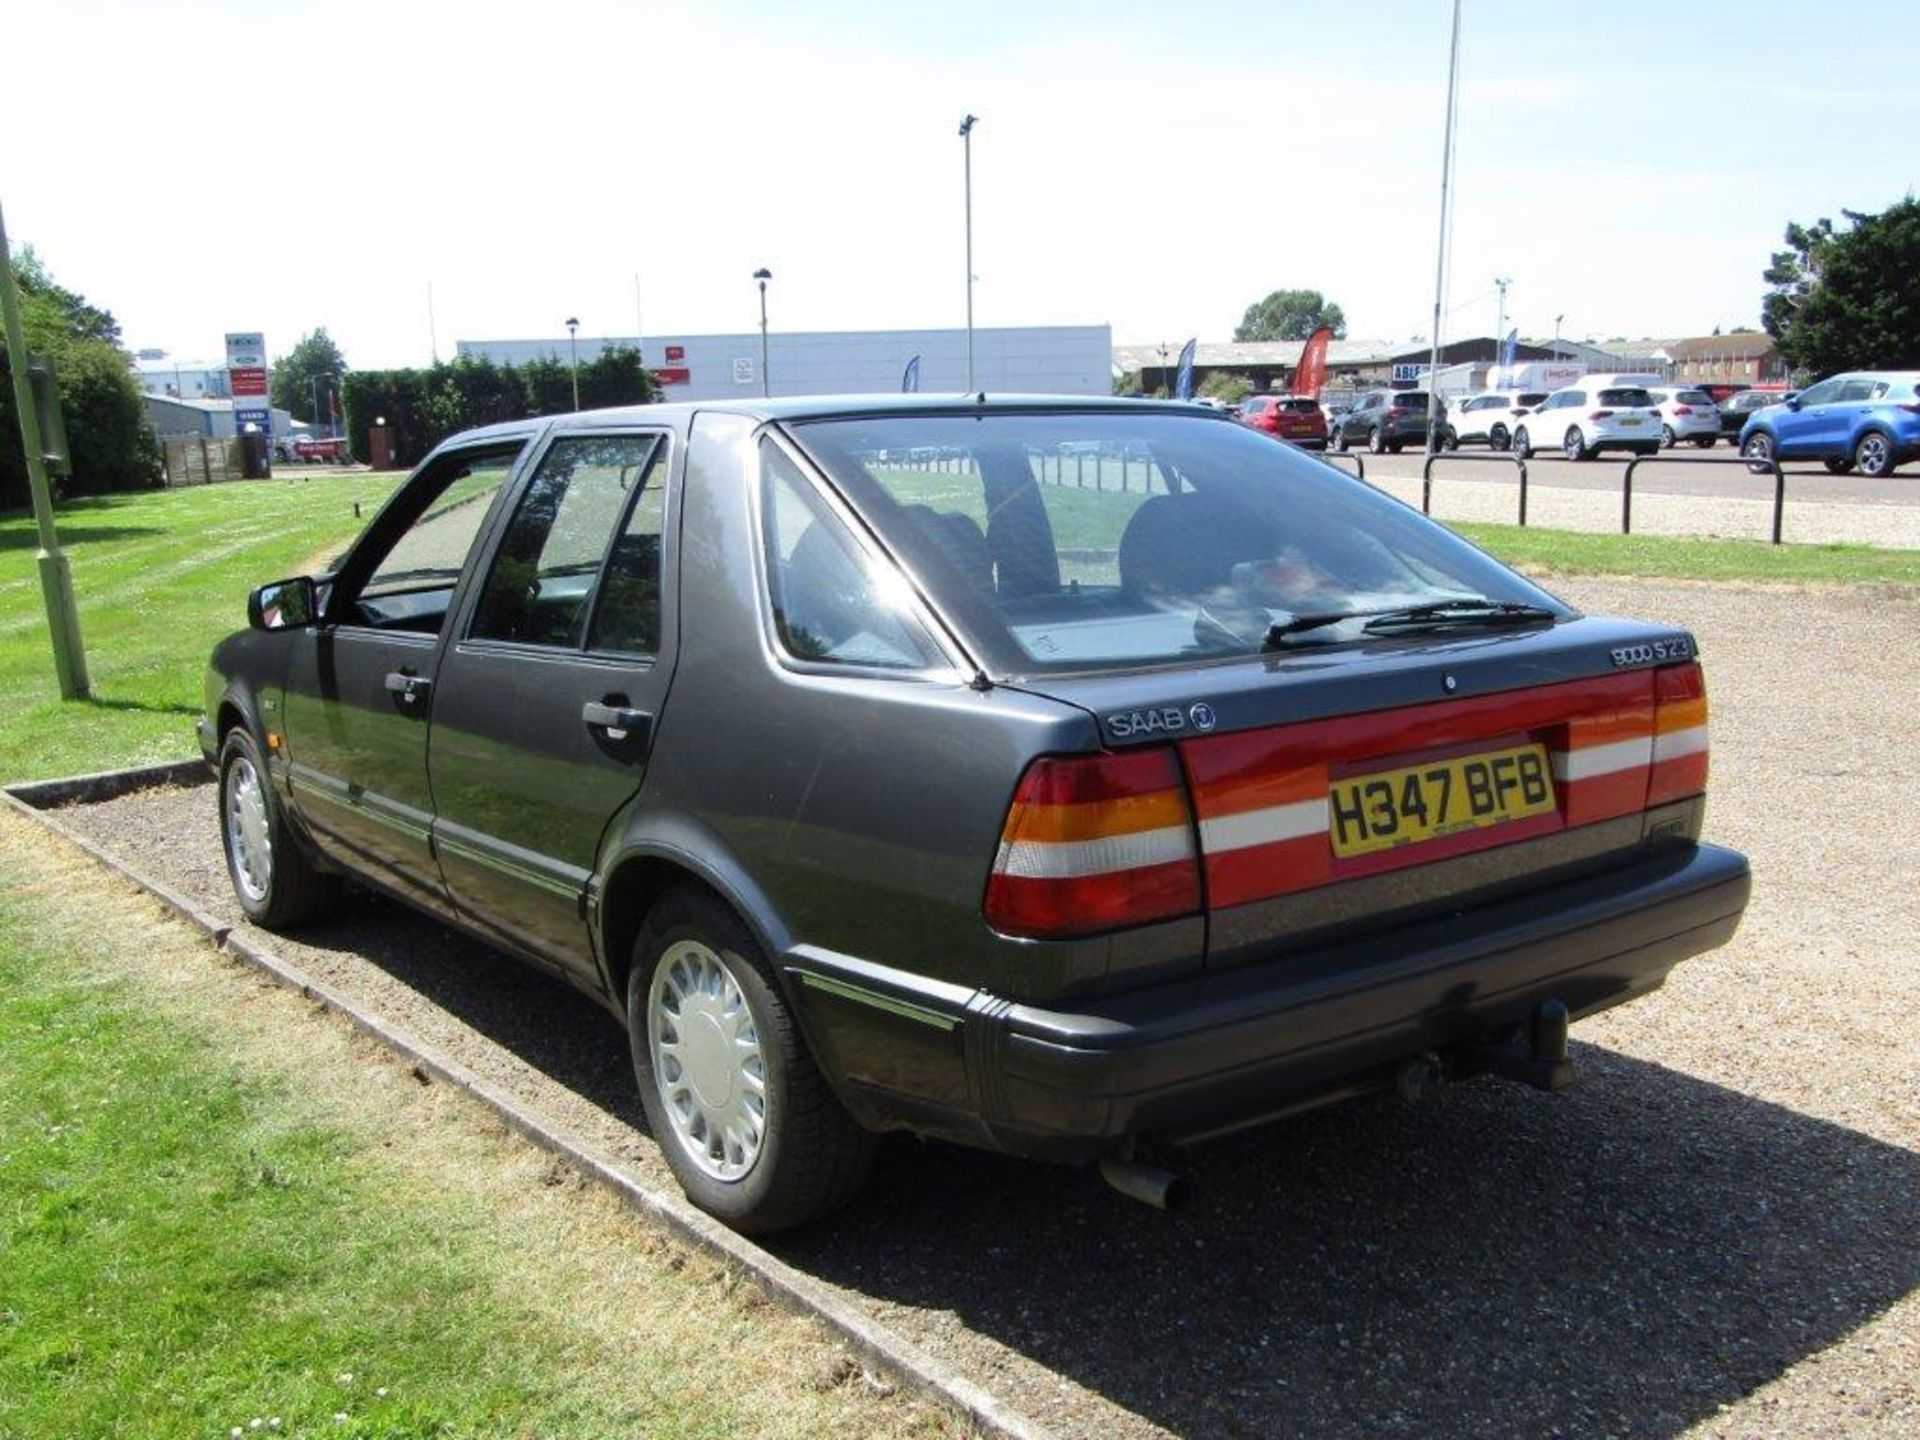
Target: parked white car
1686	414
1582	420
1488	418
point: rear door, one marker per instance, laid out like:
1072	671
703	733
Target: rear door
548	697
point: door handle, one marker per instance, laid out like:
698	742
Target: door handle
618	721
408	689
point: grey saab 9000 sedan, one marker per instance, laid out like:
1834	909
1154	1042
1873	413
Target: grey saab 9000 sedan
1044	775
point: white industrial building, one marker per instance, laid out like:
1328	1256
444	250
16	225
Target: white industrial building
1037	359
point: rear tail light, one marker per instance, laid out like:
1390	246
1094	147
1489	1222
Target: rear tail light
1092	843
1913	409
1683	409
1599	414
1679	735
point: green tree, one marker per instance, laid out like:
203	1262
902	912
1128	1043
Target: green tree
1228	388
1848	299
305	376
1290	315
106	419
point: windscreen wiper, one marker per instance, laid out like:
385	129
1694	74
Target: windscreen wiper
1475	610
1279	632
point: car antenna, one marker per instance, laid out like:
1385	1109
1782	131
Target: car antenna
980	682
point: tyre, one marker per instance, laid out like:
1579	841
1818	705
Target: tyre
1838	467
1339	441
1759	448
1523	443
1575	445
1667	438
1873	455
1498	438
1377	440
274	879
1449	439
751	1129
1705	442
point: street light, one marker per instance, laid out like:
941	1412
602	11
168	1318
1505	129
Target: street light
1556	335
573	355
766	381
966	146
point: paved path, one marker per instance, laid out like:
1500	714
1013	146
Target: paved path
1675	495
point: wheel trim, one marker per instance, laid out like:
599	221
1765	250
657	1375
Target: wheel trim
249	838
708	1066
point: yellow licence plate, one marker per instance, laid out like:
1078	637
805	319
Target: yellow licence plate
1443	797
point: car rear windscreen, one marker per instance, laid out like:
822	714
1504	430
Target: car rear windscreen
1626	397
1109	540
1409	400
1529	399
1694	397
1300	406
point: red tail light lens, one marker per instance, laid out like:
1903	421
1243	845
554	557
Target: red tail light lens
1683	409
1679	735
1599	414
1092	843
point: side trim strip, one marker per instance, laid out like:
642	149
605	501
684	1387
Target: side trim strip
878	1001
503	867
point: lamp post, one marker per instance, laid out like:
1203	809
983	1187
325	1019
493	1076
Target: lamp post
1556	335
56	580
1166	383
573	356
762	275
966	147
1446	234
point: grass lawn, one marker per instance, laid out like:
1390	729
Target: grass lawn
160	576
221	1209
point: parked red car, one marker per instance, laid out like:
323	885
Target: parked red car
1287	417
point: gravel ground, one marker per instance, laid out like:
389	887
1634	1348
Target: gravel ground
1716	1232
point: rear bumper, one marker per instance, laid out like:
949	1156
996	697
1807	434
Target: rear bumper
1187	1059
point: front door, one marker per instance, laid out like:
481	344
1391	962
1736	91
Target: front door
546	700
359	689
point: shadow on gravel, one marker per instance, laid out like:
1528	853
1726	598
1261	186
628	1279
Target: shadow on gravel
1623	1258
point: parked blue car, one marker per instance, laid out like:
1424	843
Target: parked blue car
1867	421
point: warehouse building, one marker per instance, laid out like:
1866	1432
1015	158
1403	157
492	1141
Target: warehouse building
1037	359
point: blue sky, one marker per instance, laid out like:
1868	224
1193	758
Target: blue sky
1152	168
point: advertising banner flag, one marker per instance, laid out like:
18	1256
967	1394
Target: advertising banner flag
1311	373
910	377
1507	347
1183	377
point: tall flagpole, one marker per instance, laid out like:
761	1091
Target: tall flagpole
1440	263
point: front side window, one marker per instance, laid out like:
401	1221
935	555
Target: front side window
831	602
1110	540
431	550
546	570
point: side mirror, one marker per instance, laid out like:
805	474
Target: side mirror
282	605
1792	402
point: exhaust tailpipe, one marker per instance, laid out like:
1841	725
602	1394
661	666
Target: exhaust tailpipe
1148	1184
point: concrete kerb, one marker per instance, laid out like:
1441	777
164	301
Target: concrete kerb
874	1343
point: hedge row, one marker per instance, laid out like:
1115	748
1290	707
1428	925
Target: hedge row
424	407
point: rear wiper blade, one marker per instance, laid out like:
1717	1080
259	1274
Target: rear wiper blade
1463	611
1280	630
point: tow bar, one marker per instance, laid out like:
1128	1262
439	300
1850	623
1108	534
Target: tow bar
1537	1057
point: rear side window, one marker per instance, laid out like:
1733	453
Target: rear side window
546	570
1629	397
1532	397
1108	540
